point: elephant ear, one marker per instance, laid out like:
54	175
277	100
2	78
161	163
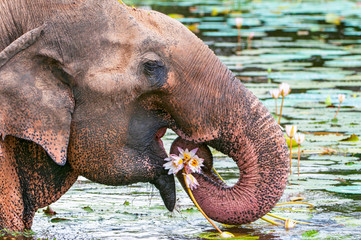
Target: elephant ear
34	104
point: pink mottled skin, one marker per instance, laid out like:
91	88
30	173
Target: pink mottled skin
88	88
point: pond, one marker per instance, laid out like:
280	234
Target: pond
315	47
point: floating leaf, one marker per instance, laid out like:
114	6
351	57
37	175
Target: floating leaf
88	209
352	138
56	220
328	101
217	236
310	234
353	189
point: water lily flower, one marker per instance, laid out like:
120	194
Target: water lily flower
291	130
299	138
191	182
174	164
239	22
289	223
341	98
195	164
284	89
275	93
226	235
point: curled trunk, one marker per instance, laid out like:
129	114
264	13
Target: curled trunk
248	134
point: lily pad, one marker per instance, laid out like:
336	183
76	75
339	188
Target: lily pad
346	189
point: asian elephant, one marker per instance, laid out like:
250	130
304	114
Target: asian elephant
89	88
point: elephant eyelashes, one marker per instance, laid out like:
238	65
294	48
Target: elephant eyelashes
155	72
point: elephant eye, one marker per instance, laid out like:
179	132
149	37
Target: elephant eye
155	72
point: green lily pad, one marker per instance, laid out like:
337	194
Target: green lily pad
217	236
56	220
346	189
352	138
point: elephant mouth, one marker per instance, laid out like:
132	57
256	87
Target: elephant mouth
158	136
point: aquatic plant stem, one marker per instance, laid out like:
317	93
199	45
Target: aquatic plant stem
276	107
270	221
298	159
338	109
280	116
290	203
291	155
239	39
284	219
214	170
199	208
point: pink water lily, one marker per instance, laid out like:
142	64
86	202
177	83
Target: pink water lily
174	164
191	181
186	159
284	89
275	93
291	130
341	97
299	138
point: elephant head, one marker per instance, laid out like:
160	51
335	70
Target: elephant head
89	88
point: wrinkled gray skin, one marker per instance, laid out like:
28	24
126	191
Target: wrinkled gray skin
89	87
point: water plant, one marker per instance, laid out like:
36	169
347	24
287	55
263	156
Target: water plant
189	163
249	40
275	93
239	22
284	89
341	98
300	138
291	131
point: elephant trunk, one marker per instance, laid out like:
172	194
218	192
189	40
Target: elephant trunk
248	134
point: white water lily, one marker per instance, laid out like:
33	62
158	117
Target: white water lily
227	235
187	159
289	223
341	97
174	164
191	161
187	155
191	182
195	164
299	138
239	22
284	89
291	130
275	93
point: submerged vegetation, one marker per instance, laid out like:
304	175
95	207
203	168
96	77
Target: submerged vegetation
315	48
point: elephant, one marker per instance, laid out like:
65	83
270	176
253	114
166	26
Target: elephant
89	88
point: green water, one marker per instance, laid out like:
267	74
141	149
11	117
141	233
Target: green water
302	44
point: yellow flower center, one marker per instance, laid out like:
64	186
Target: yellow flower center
186	157
194	163
178	163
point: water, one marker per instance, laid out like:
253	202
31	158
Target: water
302	44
